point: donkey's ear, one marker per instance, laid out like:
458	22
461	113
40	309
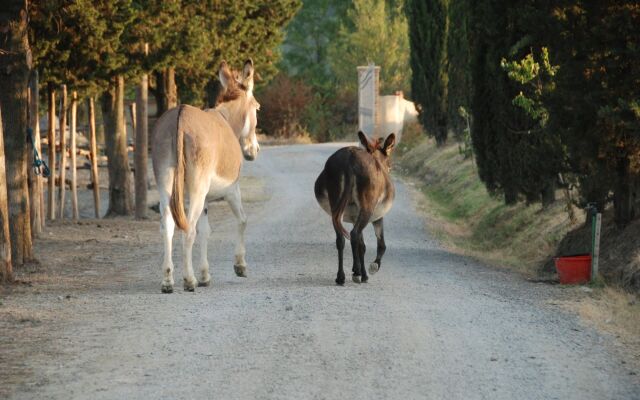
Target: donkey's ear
389	144
247	74
225	75
366	143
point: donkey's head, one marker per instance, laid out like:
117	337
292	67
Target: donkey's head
379	149
239	106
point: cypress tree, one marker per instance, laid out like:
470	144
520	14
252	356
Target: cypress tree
516	153
428	38
459	54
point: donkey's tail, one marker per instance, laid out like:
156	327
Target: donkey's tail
177	194
337	213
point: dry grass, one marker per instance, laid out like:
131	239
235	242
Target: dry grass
613	311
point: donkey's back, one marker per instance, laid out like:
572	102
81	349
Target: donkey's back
349	179
208	139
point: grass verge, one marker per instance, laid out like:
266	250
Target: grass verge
471	221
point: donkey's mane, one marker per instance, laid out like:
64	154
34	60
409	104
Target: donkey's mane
232	92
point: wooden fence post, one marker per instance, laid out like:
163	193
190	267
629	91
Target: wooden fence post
38	144
95	180
74	174
51	204
63	150
35	189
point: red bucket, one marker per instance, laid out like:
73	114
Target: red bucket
574	269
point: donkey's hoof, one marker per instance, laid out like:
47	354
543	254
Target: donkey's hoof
340	280
167	288
204	283
374	267
241	270
356	278
364	279
189	286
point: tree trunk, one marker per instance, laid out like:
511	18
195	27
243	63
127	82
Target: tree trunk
510	196
6	269
531	197
63	151
441	132
93	153
623	199
167	90
14	88
549	192
35	184
51	138
120	196
74	175
142	134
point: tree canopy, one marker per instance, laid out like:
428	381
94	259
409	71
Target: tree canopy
84	43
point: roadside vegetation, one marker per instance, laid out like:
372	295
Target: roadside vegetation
468	218
524	237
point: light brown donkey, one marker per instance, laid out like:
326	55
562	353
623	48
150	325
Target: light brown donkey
355	185
200	153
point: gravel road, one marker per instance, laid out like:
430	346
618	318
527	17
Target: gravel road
429	325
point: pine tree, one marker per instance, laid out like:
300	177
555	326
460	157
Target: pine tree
233	31
15	64
84	43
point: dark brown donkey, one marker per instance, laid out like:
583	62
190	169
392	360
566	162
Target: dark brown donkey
355	186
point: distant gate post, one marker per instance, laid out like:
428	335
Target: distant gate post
368	85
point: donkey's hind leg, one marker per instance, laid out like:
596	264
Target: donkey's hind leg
362	248
167	227
235	202
381	248
196	204
340	246
357	246
203	232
